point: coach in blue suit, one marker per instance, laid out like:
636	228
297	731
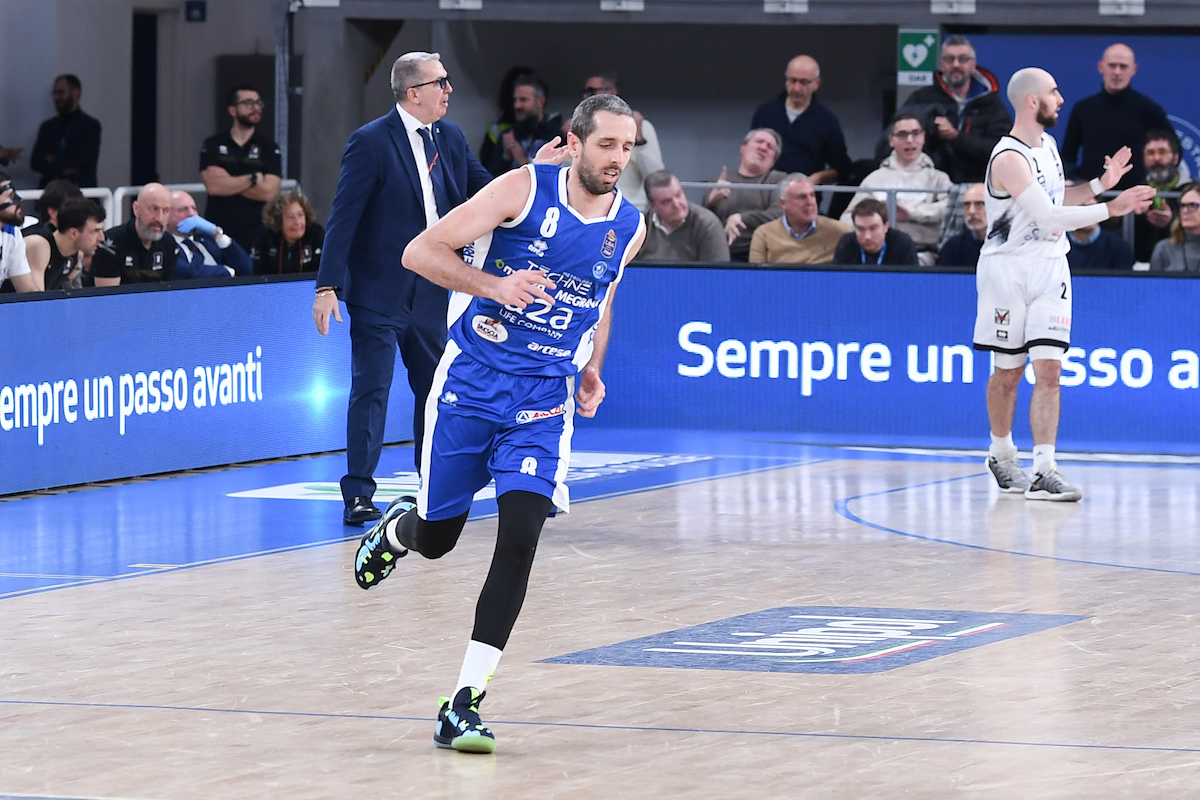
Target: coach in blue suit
400	174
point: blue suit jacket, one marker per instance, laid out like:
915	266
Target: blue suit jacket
378	209
233	257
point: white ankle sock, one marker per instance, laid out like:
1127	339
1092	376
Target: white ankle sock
478	665
1002	447
1043	457
393	537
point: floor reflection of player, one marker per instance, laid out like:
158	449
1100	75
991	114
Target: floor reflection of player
505	391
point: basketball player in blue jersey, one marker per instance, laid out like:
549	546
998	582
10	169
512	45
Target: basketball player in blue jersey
543	250
1023	279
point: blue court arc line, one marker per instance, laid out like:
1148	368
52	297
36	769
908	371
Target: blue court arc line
602	727
785	463
842	507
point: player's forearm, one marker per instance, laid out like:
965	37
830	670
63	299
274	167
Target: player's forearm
436	262
600	342
1078	195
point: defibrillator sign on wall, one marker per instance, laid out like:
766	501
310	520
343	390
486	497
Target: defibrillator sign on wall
917	55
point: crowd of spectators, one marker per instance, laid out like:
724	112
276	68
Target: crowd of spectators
931	159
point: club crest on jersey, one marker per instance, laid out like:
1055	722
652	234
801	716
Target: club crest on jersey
530	416
1002	316
538	247
254	153
487	328
610	244
598	269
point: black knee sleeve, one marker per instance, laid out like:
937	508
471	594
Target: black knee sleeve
430	539
522	515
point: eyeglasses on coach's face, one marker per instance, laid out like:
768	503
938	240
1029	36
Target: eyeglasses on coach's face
251	103
443	83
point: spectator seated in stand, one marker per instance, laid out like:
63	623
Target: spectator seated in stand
14	266
677	230
1161	154
202	250
141	250
646	156
56	193
962	250
56	254
741	211
919	214
873	241
293	239
1093	248
800	235
1181	253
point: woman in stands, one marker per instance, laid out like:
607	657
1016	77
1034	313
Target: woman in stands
292	241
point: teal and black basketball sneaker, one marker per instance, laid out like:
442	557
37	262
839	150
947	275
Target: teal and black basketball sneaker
374	559
459	726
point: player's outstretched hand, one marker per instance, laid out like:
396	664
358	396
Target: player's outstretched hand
552	152
1135	199
591	392
522	287
1115	167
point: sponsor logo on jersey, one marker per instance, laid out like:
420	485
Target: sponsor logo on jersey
531	416
449	398
1055	320
223	150
538	247
253	154
598	269
1002	316
487	328
469	253
1002	335
610	244
549	350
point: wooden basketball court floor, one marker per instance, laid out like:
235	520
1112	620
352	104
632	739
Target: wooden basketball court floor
719	616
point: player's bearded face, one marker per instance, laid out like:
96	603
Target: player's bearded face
598	175
1047	114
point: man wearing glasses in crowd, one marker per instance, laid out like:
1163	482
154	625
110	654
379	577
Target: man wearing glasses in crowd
241	170
968	119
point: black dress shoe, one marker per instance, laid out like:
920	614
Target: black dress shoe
360	511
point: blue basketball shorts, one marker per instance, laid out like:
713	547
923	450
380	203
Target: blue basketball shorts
481	424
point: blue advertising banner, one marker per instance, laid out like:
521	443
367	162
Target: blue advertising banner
110	386
1072	59
886	358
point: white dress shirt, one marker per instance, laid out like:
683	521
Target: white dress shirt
412	125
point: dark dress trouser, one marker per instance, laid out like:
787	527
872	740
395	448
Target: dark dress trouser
418	326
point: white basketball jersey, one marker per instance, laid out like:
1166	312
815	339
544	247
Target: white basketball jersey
1011	229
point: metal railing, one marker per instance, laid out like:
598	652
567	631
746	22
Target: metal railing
103	195
124	195
1127	222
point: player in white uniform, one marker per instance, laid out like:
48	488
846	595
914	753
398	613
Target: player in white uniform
1023	279
14	265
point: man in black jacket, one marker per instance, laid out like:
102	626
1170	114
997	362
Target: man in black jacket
966	113
1113	118
965	118
68	145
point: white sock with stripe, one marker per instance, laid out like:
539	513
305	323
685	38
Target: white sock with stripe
477	667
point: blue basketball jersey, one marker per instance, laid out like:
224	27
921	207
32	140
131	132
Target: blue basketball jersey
584	258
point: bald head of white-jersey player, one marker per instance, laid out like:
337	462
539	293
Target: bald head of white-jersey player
1034	95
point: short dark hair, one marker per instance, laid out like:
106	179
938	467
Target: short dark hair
583	121
866	208
903	115
72	81
76	211
1161	134
57	192
532	81
231	99
657	180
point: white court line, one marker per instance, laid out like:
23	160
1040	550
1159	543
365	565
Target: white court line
1103	458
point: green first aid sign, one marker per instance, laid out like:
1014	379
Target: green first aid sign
917	56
